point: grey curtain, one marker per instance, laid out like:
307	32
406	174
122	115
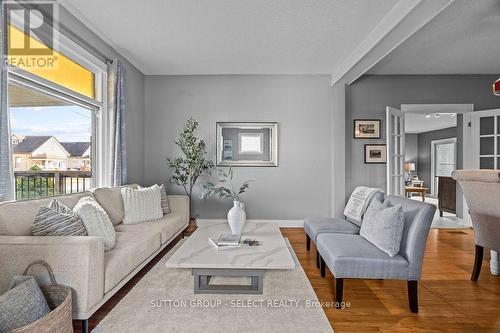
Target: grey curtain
116	102
6	172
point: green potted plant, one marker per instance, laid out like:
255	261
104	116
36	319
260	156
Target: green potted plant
226	189
187	168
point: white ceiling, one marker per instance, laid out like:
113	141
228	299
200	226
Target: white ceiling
419	123
230	36
463	39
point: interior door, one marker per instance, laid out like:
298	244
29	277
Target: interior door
395	136
485	139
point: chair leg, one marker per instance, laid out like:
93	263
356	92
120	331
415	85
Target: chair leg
339	290
477	263
308	242
322	266
413	296
317	258
85	326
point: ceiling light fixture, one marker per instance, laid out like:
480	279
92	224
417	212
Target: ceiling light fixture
437	115
427	116
453	115
496	88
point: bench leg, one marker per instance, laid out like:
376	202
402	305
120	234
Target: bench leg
85	326
322	266
308	242
413	296
339	290
477	263
317	258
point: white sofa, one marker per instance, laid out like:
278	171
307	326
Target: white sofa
80	261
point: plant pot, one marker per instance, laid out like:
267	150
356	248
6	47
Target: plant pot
236	217
191	227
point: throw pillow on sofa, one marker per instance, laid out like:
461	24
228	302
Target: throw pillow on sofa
22	304
141	205
165	205
57	220
96	221
383	226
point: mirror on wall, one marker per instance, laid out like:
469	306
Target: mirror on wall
247	143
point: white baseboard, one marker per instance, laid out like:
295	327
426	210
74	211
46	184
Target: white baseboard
280	223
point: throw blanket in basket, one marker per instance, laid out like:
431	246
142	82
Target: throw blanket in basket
358	203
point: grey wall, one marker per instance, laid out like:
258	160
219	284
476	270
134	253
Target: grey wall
424	151
302	105
134	86
368	97
411	148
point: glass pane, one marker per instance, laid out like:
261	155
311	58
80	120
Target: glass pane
486	163
487	125
57	68
393	125
487	146
51	144
445	159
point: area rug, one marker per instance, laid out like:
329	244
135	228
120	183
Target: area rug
163	301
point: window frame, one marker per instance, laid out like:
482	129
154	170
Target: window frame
98	106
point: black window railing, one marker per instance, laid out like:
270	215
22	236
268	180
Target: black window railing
31	185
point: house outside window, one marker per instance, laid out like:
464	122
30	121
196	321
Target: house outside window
55	123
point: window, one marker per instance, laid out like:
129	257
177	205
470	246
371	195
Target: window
57	134
251	143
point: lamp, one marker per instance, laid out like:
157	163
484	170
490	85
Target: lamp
496	88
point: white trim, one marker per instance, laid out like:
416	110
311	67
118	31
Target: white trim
280	223
433	160
437	108
402	21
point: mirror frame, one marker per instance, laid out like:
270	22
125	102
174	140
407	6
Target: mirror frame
273	143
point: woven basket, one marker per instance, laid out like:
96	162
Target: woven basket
59	319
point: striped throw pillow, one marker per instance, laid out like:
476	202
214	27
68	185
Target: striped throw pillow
141	205
165	205
57	220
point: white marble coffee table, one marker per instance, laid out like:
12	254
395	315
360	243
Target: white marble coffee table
250	261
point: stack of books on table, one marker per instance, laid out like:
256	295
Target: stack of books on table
226	241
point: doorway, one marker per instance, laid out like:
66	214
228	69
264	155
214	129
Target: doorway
443	161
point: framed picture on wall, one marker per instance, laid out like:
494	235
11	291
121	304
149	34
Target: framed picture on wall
375	154
367	128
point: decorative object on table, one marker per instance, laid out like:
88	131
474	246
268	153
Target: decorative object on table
247	143
226	241
236	215
58	298
375	154
251	242
409	169
366	129
193	163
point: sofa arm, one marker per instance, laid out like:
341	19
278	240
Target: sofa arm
77	261
179	205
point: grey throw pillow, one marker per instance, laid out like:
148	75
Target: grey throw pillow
57	220
23	304
383	226
165	205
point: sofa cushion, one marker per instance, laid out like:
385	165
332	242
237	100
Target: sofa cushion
96	221
314	226
142	204
167	226
131	249
110	198
57	220
25	211
352	256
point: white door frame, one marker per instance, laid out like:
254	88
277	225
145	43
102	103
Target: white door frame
434	143
395	155
466	110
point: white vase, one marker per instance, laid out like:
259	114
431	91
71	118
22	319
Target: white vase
236	217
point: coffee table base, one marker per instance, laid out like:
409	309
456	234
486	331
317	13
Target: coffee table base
202	281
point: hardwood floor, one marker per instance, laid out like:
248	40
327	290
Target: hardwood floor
448	300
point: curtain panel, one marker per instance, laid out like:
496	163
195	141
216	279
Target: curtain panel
6	172
116	109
